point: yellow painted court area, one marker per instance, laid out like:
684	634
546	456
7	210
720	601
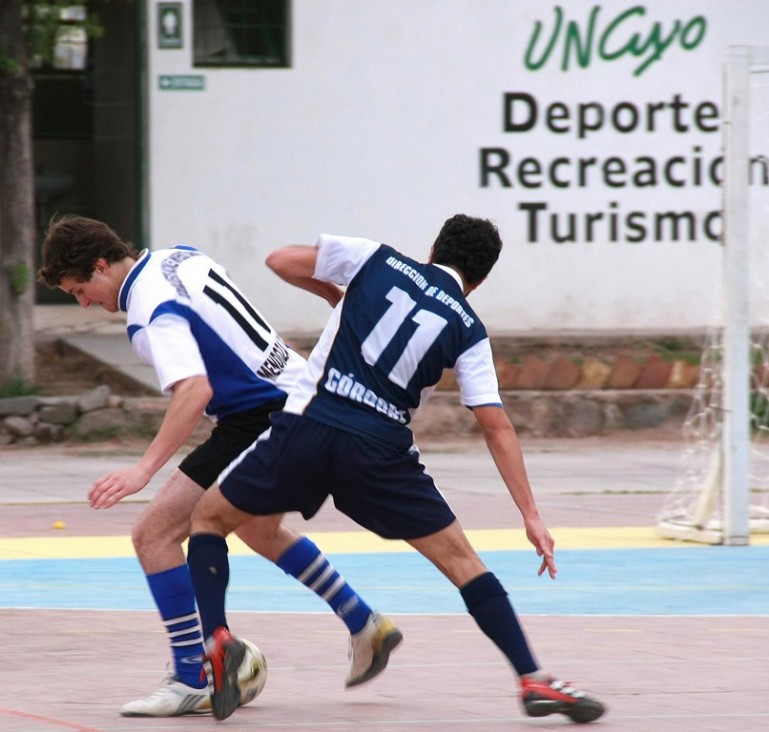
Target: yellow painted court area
360	542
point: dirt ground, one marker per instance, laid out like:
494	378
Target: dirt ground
63	370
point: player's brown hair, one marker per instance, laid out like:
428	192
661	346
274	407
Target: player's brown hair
73	244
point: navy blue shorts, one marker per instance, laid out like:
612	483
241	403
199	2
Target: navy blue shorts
302	462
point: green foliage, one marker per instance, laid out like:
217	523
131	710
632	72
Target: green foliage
19	277
671	343
145	427
670	348
44	22
9	66
148	427
17	388
757	357
96	434
759	410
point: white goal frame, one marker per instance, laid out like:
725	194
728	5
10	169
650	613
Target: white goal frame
736	436
727	479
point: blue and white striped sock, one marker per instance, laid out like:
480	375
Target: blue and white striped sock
172	591
305	562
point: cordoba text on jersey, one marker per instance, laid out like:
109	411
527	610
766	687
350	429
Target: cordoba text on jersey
345	385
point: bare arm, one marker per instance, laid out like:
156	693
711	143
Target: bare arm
188	402
296	265
505	448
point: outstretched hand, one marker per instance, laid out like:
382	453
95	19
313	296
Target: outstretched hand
540	537
114	486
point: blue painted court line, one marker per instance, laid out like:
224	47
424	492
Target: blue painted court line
709	581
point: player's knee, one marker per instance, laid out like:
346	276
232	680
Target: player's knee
460	567
206	521
213	514
265	537
150	537
143	539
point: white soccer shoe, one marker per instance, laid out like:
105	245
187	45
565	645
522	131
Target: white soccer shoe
173	699
370	648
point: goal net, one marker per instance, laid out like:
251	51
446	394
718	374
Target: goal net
722	493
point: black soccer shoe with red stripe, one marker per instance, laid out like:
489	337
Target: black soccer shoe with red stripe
224	654
542	697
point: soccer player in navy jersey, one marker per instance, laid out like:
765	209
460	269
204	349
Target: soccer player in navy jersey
214	353
344	432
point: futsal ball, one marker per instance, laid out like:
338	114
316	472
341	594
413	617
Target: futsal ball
252	674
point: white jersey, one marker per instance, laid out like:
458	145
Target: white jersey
187	318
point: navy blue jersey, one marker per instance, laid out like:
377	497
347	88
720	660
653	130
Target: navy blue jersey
398	326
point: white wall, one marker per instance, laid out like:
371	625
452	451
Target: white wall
378	126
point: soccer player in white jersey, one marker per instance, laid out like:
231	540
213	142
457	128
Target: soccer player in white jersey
344	432
214	353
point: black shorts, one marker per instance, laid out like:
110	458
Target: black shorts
301	462
230	437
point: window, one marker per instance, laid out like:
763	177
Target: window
63	30
63	74
241	32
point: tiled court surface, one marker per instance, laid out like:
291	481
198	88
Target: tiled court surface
72	670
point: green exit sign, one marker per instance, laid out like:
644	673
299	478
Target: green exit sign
181	82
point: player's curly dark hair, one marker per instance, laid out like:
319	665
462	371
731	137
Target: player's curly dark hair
469	244
72	246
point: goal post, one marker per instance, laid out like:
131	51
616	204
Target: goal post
736	391
727	430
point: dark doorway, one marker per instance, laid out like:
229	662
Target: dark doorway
87	128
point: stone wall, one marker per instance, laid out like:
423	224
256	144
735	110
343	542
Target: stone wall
562	414
94	415
100	415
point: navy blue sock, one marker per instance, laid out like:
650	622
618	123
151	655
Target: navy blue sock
487	602
304	561
172	591
210	571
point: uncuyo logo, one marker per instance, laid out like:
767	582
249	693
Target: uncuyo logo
607	36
